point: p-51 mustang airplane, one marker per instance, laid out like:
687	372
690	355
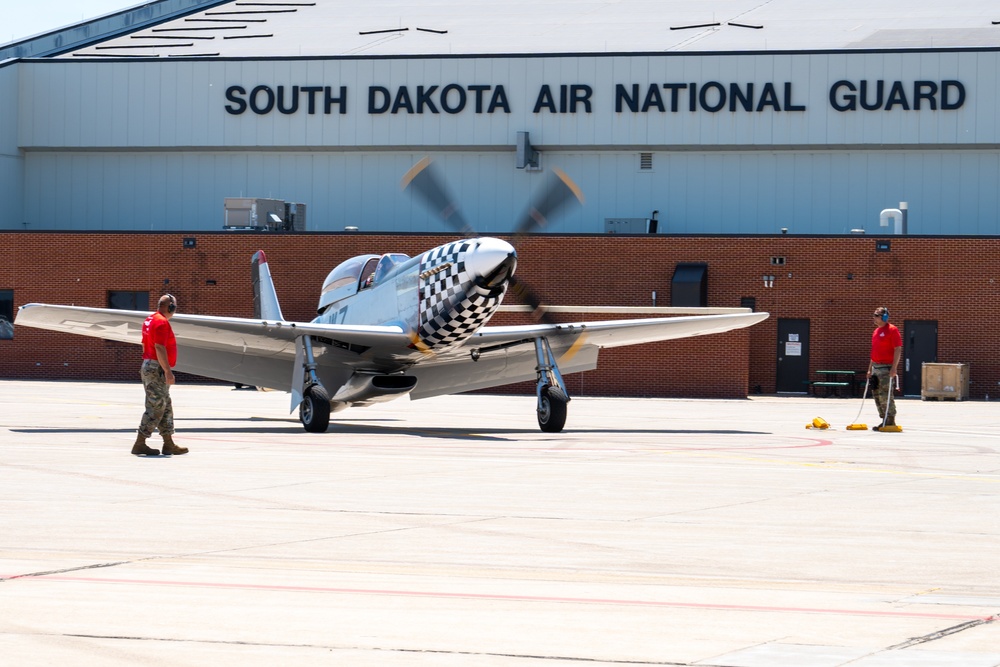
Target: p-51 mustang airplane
393	325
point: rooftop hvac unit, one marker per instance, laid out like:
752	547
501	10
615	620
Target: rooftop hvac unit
295	217
254	213
626	225
264	215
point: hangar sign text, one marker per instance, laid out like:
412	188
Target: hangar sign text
710	96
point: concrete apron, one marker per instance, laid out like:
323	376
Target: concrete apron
451	531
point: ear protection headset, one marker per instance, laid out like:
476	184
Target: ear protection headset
172	306
885	314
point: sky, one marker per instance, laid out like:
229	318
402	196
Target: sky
24	18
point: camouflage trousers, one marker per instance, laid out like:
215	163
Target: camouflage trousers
881	386
159	410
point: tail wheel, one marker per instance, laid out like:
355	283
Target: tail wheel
552	409
314	411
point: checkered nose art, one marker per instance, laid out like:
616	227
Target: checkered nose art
452	305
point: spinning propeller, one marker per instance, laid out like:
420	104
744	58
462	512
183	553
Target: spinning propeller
558	193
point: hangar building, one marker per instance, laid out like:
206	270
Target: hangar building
818	160
731	117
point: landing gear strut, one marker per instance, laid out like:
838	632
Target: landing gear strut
550	389
314	410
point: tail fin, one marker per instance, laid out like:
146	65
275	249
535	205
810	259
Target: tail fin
265	299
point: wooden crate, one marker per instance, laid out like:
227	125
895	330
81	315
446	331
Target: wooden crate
945	381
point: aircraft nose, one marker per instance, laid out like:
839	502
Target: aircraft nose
492	259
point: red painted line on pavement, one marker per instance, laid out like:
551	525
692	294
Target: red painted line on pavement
498	597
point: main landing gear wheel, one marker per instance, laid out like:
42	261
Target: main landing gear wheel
314	411
552	409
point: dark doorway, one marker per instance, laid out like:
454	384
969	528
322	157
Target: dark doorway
793	355
919	347
689	286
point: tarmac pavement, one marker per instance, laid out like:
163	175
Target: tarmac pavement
451	531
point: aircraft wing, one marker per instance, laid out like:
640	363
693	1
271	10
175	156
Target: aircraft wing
262	352
616	333
506	354
253	352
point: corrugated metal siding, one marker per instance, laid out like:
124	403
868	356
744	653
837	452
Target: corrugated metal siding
11	162
182	103
149	145
8	111
696	193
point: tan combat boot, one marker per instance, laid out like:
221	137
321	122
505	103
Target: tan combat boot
140	448
171	448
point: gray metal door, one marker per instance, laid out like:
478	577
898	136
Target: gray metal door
919	346
793	355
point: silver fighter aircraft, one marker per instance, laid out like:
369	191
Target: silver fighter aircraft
391	326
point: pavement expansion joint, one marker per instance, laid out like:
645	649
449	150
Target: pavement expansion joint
95	566
423	651
934	636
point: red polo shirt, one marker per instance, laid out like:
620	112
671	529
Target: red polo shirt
885	340
156	330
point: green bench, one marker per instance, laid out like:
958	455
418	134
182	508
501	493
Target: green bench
835	380
834	386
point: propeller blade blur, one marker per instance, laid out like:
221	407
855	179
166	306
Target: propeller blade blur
429	186
529	297
559	192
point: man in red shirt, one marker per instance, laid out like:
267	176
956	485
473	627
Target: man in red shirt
887	349
159	355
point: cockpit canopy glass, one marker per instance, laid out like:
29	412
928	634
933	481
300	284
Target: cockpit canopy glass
353	275
343	280
387	264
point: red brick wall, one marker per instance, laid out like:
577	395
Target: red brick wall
951	280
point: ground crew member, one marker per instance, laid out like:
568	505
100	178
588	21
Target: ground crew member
159	355
887	349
